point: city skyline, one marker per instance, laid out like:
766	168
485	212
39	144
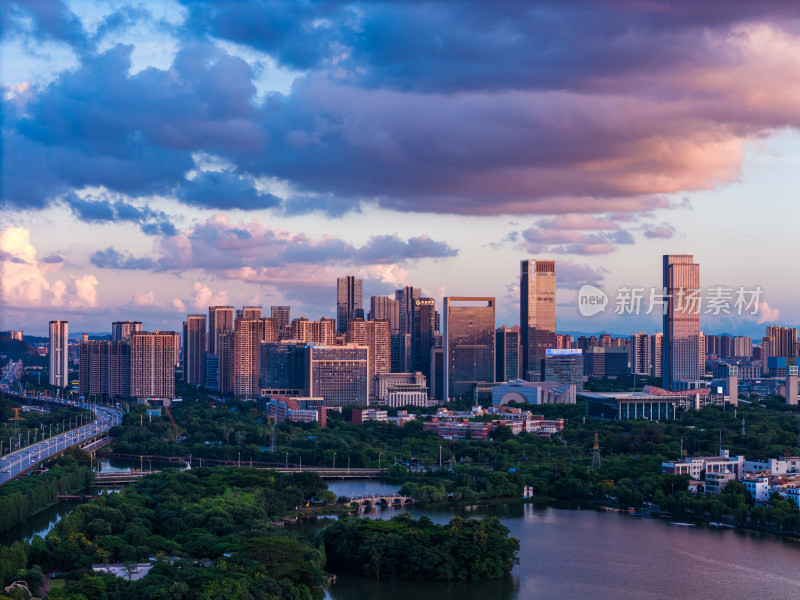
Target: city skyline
162	159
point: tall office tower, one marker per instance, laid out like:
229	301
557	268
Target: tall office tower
245	357
384	307
153	364
640	353
220	322
567	366
423	330
249	312
122	330
681	346
349	301
732	385
507	354
784	340
377	336
338	374
321	332
225	349
436	384
194	349
656	354
537	307
402	346
59	353
468	344
281	314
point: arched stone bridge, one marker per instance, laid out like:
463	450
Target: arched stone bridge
383	500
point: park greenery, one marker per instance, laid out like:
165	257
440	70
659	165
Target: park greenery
20	499
402	548
210	531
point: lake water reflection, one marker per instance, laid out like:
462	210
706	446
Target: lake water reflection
587	553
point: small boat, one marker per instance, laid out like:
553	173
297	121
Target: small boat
721	525
683	524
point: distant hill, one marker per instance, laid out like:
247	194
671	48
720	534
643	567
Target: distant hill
17	350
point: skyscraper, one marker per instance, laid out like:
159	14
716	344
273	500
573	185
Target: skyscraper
220	321
250	312
468	344
194	349
537	289
122	330
376	335
153	364
784	340
282	315
681	346
656	354
349	301
423	331
640	353
507	354
59	353
321	332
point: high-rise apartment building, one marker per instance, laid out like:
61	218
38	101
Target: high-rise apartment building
507	354
249	312
220	322
681	346
153	364
384	307
656	354
282	367
104	368
59	353
338	374
784	340
537	288
377	336
469	342
640	353
194	349
349	301
245	358
282	315
322	332
122	330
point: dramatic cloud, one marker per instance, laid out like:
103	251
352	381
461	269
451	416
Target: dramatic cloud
100	209
544	108
23	281
575	234
238	251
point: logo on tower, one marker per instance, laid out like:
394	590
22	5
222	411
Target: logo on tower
591	300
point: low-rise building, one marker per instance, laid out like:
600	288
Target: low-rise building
458	430
402	418
362	415
533	392
716	482
757	487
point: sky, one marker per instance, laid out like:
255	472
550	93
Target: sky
160	157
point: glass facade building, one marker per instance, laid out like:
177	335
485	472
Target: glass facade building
469	342
338	374
681	343
537	305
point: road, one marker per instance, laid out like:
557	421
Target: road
11	465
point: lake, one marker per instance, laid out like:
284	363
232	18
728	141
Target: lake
598	554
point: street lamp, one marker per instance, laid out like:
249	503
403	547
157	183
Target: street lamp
334	460
239	460
141	463
286	465
379	460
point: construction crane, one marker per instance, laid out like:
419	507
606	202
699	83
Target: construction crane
178	436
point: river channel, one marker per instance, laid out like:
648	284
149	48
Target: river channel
598	554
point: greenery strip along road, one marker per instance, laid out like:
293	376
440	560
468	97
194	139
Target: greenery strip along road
24	459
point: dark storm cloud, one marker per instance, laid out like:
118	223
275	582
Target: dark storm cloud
113	259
